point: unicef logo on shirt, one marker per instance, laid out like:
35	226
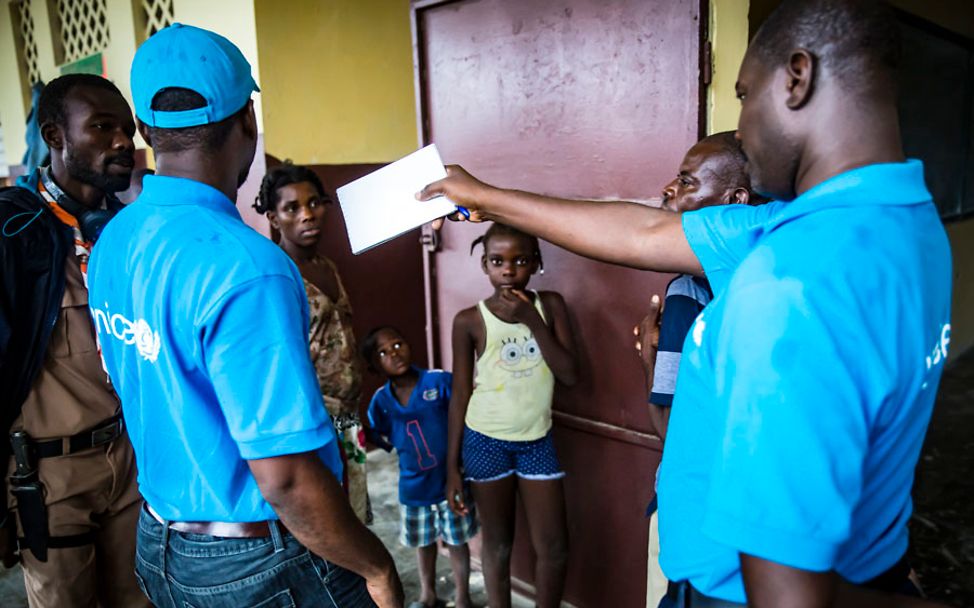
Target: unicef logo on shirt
698	328
137	332
146	340
939	351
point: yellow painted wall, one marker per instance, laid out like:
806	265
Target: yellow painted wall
728	37
337	80
231	18
12	114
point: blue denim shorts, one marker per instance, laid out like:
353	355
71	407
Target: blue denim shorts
181	570
489	459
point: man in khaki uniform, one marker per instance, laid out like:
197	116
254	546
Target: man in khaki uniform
72	495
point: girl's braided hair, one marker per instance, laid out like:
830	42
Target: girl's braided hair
505	230
284	175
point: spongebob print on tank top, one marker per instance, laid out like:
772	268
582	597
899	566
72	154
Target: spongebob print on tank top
513	387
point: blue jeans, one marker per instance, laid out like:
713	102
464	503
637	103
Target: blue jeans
180	570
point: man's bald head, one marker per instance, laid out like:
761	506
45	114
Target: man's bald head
713	172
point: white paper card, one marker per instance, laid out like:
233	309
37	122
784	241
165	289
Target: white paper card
382	205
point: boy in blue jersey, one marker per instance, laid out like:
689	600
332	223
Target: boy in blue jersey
411	410
806	386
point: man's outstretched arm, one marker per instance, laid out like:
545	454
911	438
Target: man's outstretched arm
622	233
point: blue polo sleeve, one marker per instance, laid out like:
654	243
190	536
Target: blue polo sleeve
254	345
723	235
679	312
789	470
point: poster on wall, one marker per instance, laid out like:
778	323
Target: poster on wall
92	64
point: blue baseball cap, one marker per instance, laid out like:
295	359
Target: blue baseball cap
190	58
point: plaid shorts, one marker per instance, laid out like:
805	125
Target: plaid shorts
421	526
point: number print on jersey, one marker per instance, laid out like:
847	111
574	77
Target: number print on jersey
426	459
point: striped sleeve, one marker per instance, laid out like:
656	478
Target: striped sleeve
686	296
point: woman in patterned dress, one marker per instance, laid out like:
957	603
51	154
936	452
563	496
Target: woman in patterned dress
294	201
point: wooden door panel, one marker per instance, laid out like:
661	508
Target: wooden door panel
575	98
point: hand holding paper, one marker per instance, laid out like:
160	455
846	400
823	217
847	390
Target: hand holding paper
382	205
462	189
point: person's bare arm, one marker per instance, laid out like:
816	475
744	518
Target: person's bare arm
647	346
769	584
311	503
463	355
560	353
646	333
622	233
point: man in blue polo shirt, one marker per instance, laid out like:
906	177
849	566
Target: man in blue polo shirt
203	324
806	386
713	172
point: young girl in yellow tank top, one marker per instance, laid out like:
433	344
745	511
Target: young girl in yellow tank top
508	351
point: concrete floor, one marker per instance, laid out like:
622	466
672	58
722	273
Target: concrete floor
384	490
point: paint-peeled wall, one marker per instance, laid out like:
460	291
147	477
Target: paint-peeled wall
337	80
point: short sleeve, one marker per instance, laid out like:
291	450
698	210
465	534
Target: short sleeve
255	349
789	471
723	235
679	312
378	419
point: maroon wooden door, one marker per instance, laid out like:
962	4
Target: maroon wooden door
575	98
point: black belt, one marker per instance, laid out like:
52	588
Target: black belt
105	432
683	595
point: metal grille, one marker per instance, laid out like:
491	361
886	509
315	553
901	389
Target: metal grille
27	44
157	14
83	25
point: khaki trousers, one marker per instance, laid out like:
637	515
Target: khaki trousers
90	491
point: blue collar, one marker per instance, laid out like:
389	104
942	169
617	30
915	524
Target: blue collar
879	184
169	191
420	374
